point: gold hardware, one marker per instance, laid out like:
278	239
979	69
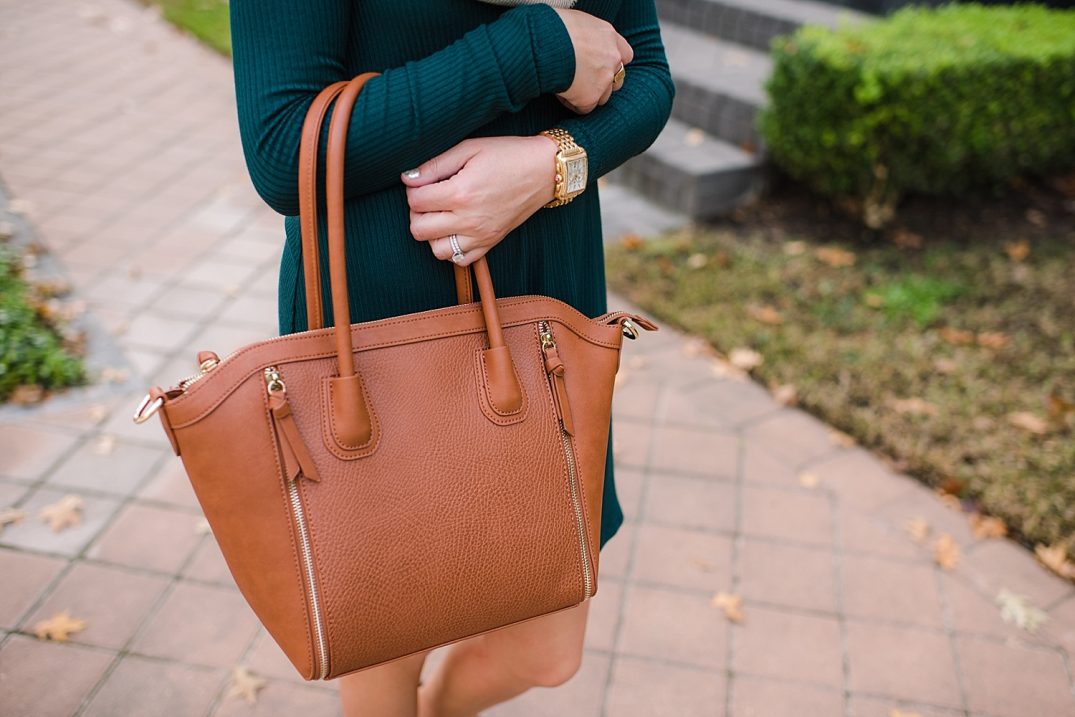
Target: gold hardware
273	381
147	408
203	368
629	329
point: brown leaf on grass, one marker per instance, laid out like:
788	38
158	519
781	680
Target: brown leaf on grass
1059	407
64	513
993	339
839	438
834	256
1017	251
945	365
697	260
946	551
732	605
745	358
917	528
794	248
907	239
245	684
913	406
1028	422
786	394
11	516
765	315
874	301
809	480
957	337
631	242
1055	557
58	627
987	526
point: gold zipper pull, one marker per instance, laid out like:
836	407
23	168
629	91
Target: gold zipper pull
297	460
554	366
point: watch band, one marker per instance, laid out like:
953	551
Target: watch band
567	145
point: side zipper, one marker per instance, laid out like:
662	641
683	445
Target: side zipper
297	462
554	368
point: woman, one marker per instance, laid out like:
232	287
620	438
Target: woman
466	90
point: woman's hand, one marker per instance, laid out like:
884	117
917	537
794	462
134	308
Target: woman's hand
599	50
480	190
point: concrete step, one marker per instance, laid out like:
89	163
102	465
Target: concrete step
627	211
692	172
719	84
753	23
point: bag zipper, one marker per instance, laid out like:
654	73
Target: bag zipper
554	367
274	384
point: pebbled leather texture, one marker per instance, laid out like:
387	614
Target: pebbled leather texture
451	509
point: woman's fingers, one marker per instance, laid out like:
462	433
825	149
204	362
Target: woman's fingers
627	53
442	249
442	166
427	226
607	93
440	196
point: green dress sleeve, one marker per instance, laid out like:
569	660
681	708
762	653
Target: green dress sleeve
635	114
285	52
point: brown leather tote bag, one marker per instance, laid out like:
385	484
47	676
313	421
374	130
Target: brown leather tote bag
382	488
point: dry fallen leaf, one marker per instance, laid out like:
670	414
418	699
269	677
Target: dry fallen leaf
1055	557
993	339
835	256
1017	251
245	684
745	358
946	551
64	513
809	480
957	337
875	301
732	605
1059	406
987	526
949	499
945	365
917	528
907	239
58	627
839	438
631	241
11	516
896	712
27	395
1028	422
794	248
765	315
786	394
697	260
1017	609
696	347
913	406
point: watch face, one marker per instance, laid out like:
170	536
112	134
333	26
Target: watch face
576	175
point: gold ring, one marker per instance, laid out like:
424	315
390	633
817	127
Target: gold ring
617	79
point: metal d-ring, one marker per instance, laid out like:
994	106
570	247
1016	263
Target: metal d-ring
629	329
147	408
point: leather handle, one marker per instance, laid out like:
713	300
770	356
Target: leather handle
350	415
311	260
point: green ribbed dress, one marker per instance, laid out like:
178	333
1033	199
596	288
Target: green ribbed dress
451	69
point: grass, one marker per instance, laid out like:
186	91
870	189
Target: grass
32	356
955	359
205	19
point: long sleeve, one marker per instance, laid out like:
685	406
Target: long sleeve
285	52
635	114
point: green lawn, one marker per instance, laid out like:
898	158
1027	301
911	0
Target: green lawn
205	19
956	359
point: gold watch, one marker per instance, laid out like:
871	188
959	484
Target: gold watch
571	167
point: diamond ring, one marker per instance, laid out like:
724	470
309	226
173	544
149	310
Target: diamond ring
457	253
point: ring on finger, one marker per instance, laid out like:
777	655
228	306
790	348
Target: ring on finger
457	252
617	79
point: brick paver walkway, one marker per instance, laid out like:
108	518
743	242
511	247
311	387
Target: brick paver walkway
120	134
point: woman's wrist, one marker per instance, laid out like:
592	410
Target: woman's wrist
545	176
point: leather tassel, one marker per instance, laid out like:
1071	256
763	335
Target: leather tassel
297	460
555	368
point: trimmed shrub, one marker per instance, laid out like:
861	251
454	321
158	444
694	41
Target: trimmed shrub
935	101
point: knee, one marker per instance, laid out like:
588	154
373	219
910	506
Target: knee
549	668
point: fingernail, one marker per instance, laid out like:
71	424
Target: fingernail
411	174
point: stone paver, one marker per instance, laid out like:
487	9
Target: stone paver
142	195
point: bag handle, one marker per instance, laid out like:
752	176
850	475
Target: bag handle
311	265
350	414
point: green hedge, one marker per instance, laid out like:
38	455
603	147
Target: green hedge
936	101
31	354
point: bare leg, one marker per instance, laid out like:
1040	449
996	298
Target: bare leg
389	690
488	669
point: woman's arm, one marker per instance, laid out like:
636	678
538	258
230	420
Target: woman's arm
285	52
635	114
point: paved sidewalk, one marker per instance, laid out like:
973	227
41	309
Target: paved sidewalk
120	135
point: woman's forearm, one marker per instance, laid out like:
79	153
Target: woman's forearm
285	53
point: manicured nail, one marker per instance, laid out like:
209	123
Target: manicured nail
411	174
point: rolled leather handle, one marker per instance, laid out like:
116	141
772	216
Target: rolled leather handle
351	414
